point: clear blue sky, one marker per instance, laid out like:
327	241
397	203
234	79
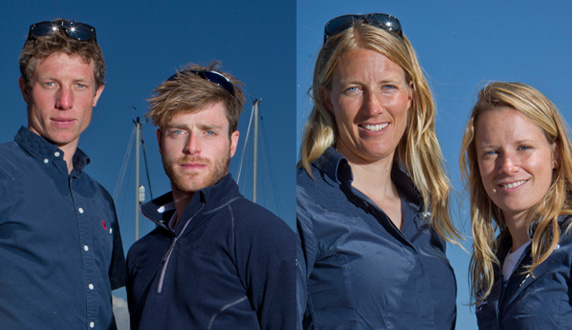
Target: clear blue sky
461	45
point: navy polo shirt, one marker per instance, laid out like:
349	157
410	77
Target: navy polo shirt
60	249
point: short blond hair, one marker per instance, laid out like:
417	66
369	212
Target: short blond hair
187	91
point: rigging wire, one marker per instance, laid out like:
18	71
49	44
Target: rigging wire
244	148
121	177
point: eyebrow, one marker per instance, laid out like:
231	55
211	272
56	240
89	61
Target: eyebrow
202	126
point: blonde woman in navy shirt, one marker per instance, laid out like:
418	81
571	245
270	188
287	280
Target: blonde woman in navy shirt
372	194
517	162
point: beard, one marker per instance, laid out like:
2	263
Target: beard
190	182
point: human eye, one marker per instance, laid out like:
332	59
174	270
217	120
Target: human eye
81	85
524	147
490	153
211	133
49	84
351	90
175	132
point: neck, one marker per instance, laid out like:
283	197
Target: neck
69	151
518	226
373	176
181	200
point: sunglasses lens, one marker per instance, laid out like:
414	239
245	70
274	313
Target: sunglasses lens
43	29
338	25
219	79
387	22
80	31
211	76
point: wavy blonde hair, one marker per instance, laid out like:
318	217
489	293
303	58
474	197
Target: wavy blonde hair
486	217
418	152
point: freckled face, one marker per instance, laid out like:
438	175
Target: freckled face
196	148
61	99
515	160
369	99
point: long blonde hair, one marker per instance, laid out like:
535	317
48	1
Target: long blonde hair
419	152
486	217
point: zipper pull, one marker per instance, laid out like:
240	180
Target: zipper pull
527	276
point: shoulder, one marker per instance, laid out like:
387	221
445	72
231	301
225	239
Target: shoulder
14	158
100	191
251	221
149	244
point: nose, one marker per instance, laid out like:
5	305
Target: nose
508	163
192	147
64	98
371	104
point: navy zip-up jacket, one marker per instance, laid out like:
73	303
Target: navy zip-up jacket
230	264
542	300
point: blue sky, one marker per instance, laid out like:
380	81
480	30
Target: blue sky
461	45
271	46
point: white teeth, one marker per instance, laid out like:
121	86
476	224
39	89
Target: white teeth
375	128
514	184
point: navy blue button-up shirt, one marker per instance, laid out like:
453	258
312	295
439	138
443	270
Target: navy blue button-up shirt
60	248
356	269
542	300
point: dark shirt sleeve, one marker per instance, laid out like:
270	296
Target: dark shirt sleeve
266	257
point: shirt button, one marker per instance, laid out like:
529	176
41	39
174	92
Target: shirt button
85	248
80	210
46	161
57	153
92	324
90	286
111	230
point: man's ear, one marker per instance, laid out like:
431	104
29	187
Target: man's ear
97	95
233	142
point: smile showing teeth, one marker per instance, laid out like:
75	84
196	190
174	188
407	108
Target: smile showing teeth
375	128
514	184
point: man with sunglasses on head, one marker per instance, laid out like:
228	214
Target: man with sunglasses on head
60	248
215	260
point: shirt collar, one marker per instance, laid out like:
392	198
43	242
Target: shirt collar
337	168
41	149
161	209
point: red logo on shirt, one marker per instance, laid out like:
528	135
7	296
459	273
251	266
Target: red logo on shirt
103	224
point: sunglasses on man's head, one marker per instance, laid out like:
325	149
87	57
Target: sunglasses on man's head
74	30
342	23
211	76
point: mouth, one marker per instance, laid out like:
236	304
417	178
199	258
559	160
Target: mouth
62	123
513	185
374	127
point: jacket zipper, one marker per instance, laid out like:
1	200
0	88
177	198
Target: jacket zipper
169	252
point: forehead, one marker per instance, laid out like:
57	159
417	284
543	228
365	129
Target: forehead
60	63
365	62
213	114
506	123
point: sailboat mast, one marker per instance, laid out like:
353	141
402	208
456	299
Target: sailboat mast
255	152
137	169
